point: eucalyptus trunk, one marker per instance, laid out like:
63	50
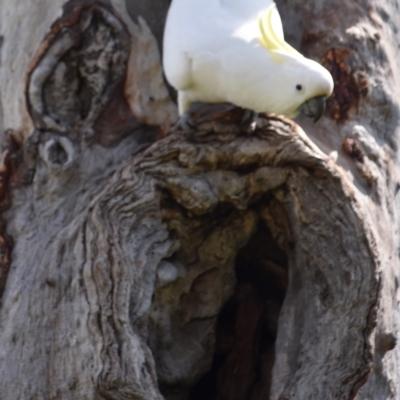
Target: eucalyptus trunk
141	262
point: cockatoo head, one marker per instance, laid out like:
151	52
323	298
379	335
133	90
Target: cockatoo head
305	82
308	85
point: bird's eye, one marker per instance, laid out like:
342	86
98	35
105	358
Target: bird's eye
299	87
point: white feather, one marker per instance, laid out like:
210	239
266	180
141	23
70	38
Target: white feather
214	52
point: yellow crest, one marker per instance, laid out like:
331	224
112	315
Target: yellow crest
269	37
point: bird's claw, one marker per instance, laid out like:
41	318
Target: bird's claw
250	118
185	123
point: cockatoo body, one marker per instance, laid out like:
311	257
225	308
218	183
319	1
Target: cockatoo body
234	51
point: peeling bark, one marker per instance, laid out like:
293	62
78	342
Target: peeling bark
152	257
140	263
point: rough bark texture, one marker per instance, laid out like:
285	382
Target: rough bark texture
139	263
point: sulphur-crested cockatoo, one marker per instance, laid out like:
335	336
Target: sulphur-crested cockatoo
234	51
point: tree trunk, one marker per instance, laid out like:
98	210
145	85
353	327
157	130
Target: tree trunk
142	263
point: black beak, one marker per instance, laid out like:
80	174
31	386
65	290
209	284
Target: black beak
313	108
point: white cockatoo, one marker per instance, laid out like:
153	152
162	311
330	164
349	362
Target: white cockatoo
219	51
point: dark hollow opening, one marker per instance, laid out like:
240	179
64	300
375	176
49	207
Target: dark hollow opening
57	154
247	325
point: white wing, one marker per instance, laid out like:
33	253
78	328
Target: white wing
198	27
245	9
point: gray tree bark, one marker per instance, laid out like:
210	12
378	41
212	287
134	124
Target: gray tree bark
141	263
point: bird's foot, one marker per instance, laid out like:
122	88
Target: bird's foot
184	123
250	118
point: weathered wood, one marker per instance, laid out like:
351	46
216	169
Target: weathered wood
203	264
101	268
